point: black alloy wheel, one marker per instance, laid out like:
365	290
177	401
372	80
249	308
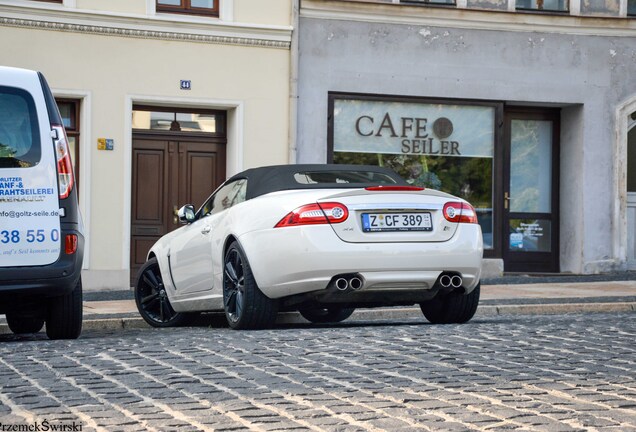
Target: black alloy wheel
151	297
246	307
452	308
21	325
331	314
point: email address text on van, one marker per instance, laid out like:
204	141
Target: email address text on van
12	214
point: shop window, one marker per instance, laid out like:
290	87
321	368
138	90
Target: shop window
440	146
69	110
195	7
543	5
631	8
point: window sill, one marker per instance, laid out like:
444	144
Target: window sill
543	11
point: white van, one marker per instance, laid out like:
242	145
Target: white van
41	243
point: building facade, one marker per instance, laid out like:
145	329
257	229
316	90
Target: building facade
162	100
525	108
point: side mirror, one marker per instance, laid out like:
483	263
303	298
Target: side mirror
186	214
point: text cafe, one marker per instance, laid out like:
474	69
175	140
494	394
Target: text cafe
478	151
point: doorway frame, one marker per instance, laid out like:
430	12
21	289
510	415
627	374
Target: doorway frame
537	261
619	215
84	99
235	116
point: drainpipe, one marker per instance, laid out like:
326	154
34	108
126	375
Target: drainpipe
293	84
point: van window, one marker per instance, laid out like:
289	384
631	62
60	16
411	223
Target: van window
19	133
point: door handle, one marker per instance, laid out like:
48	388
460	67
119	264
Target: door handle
206	230
507	199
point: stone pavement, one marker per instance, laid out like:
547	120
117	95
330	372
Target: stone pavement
538	373
111	310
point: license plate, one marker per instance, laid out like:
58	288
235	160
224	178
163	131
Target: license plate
374	222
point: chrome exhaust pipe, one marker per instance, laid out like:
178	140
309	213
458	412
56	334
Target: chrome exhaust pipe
342	284
456	281
355	283
445	281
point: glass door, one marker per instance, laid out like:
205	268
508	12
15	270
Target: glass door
530	193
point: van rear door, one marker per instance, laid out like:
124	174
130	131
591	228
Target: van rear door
29	198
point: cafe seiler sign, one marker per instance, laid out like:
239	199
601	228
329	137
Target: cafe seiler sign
386	127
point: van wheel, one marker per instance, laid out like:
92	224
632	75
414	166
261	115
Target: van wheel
152	300
64	317
21	325
332	314
453	308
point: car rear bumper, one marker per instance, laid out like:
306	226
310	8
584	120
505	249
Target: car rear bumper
19	284
295	260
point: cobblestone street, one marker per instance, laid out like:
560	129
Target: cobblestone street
575	372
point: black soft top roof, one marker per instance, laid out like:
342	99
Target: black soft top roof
263	180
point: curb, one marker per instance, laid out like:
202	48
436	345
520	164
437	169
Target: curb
135	323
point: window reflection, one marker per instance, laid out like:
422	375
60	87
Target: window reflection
544	5
175	121
467	177
531	166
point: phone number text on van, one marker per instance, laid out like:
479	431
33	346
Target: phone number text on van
31	236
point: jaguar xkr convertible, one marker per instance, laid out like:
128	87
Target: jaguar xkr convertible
319	239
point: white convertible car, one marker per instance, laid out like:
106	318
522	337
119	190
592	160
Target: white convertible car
320	239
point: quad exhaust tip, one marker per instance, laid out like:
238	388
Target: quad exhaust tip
346	282
448	280
342	284
355	283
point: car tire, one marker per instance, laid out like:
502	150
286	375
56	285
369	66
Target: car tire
332	314
22	325
453	308
245	305
152	300
64	315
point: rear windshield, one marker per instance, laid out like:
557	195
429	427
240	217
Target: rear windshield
342	177
19	136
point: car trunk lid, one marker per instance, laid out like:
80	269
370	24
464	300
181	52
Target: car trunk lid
391	215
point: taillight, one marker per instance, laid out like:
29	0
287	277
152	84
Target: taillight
459	212
314	214
70	244
65	177
394	188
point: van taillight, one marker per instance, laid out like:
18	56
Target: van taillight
65	177
70	244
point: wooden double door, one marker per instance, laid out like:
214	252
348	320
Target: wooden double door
169	171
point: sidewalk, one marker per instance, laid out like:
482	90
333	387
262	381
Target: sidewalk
116	310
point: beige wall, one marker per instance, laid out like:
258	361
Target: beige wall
111	70
276	12
122	6
271	12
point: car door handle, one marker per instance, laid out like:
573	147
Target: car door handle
206	230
